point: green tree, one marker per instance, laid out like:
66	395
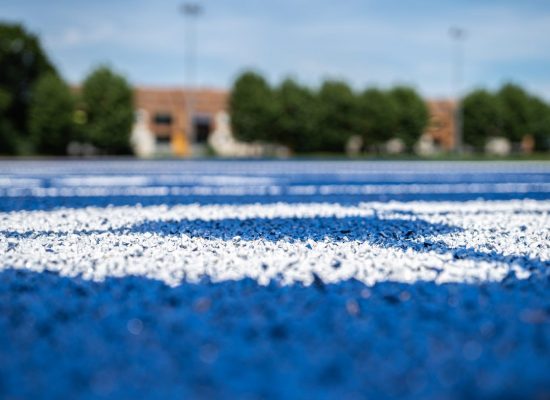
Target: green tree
378	113
7	132
51	115
338	116
253	108
296	122
482	116
108	100
516	112
412	114
22	62
539	124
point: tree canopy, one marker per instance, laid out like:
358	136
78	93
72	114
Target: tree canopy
51	115
323	120
338	116
412	115
108	101
22	62
7	131
296	123
253	108
539	125
378	112
482	118
511	112
516	113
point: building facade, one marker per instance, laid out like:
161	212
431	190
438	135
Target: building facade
441	126
165	126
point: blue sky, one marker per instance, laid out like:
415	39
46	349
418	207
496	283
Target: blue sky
364	42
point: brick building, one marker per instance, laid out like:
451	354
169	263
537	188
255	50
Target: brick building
163	114
441	126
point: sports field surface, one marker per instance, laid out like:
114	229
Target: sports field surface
274	279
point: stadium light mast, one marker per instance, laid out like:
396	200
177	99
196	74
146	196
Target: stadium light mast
190	12
458	35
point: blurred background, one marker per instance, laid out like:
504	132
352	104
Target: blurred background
435	79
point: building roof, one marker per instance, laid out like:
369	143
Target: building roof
206	101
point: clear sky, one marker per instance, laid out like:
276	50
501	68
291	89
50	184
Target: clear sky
365	42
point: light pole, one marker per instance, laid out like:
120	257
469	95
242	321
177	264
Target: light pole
458	35
190	13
